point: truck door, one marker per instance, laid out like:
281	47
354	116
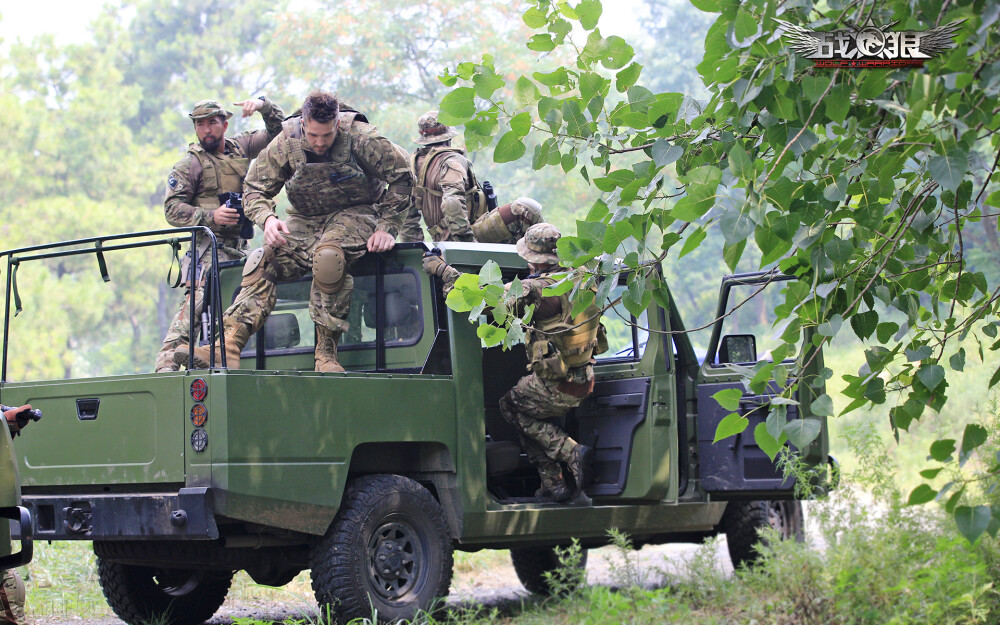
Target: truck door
741	356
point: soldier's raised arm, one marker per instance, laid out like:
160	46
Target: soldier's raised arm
254	141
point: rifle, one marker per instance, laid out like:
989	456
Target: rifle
491	195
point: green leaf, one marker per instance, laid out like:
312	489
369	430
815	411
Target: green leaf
972	521
729	398
534	18
637	298
576	123
702	185
589	12
745	26
767	443
664	152
525	92
458	106
490	273
822	406
739	162
693	241
541	43
921	495
509	148
975	435
731	425
957	360
520	124
943	449
801	432
864	324
617	53
949	170
930	474
627	77
931	376
491	334
732	254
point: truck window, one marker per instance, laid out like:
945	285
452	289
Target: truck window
752	313
627	335
289	328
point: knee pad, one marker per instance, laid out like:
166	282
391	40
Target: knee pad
329	267
258	266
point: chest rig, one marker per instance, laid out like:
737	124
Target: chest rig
219	174
328	187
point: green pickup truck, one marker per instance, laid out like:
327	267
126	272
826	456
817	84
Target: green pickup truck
371	478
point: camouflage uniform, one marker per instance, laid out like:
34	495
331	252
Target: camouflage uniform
560	350
12	596
450	198
338	201
193	189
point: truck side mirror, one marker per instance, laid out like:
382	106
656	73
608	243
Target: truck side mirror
738	348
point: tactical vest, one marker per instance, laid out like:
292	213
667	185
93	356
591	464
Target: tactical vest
218	174
427	197
325	188
555	346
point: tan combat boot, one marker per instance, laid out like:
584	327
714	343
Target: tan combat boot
237	334
326	350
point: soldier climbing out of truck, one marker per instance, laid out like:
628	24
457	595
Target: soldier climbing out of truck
560	347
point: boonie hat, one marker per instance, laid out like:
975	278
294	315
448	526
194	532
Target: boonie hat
538	245
433	131
208	108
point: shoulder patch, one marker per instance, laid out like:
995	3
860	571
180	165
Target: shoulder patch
172	181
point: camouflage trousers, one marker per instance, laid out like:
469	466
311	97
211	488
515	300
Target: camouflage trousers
177	331
12	599
348	229
530	407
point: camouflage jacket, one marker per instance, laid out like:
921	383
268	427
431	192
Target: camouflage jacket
450	210
184	185
379	158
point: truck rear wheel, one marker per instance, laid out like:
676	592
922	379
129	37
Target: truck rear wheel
532	563
387	551
141	594
743	520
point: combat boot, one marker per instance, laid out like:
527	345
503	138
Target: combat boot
237	334
326	350
580	461
553	485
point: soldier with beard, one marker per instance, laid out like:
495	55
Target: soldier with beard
213	166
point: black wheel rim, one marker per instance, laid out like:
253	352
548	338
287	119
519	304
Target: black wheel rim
395	560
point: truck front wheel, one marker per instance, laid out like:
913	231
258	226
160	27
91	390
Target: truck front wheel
532	563
743	520
144	594
388	551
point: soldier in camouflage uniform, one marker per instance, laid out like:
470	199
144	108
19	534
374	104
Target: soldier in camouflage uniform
450	199
349	188
212	166
560	350
12	592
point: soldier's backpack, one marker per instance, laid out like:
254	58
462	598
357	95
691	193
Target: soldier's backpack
427	198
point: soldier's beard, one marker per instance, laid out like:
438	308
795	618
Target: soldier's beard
211	144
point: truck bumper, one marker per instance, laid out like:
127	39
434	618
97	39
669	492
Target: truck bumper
189	514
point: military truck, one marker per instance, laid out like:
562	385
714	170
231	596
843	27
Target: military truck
371	478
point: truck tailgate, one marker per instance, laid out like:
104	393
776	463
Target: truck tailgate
123	429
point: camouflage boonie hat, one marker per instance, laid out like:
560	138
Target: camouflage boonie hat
538	245
433	131
208	108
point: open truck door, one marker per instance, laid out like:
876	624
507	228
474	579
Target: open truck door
772	392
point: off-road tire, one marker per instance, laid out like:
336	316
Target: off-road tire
392	521
742	521
141	594
532	563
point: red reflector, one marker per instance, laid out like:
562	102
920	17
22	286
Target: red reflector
199	415
199	389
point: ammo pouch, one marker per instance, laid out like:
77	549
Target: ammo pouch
546	362
602	340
